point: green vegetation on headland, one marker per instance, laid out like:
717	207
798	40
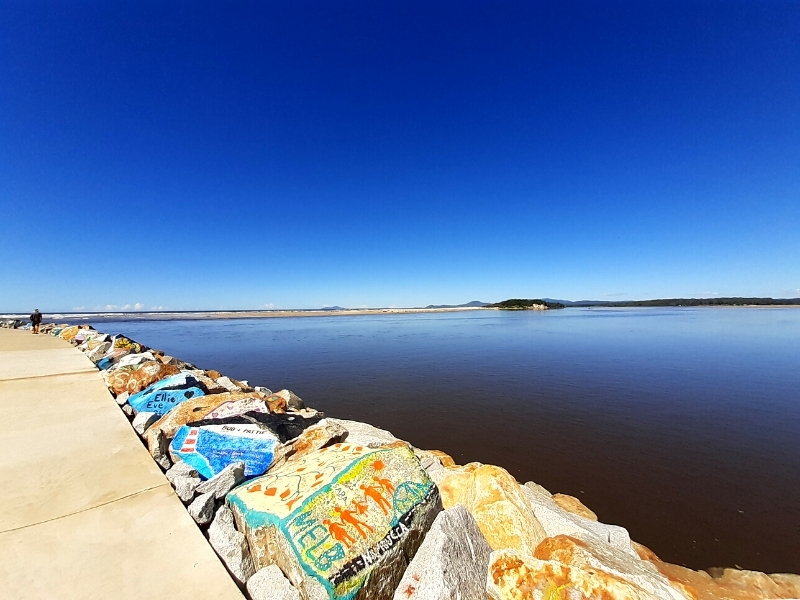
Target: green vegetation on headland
520	304
697	302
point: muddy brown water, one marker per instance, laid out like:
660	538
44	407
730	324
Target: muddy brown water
682	425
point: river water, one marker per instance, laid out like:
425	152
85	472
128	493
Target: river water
681	424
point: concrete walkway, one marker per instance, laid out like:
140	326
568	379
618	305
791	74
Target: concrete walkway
84	510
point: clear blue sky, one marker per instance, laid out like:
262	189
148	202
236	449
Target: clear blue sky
300	154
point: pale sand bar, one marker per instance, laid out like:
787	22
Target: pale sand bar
84	510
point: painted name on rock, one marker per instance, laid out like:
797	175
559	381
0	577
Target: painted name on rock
211	448
164	395
340	510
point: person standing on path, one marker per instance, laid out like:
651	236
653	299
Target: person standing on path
36	319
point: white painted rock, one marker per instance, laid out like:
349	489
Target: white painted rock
340	522
202	508
450	563
271	584
143	420
231	546
364	434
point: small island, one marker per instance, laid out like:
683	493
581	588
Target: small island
521	304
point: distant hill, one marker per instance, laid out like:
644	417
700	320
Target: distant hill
474	303
526	304
734	301
331	308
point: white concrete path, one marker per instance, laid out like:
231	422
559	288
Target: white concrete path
84	510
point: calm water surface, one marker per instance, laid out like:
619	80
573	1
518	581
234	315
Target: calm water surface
682	425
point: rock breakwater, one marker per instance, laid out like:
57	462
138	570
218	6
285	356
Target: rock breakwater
300	505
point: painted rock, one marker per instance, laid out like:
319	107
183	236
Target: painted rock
69	333
122	342
135	378
341	522
166	393
211	448
96	354
191	410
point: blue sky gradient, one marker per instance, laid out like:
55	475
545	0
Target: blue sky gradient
301	154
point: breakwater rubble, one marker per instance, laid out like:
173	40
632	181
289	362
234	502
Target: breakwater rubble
299	505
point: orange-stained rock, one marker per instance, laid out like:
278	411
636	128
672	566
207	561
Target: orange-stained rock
453	484
575	506
189	411
213	374
731	585
503	513
444	458
591	554
514	576
134	378
276	403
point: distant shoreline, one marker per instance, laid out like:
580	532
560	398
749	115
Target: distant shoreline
241	314
343	312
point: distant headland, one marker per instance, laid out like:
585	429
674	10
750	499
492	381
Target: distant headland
510	304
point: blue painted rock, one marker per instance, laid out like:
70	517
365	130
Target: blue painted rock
166	394
341	522
211	448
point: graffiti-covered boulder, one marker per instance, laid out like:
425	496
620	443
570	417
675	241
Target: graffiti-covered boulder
164	393
211	448
69	333
342	522
120	346
135	378
188	411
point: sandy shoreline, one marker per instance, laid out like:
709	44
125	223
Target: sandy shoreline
243	314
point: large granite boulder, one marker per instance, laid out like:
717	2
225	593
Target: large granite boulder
555	521
231	546
134	378
450	563
162	395
497	502
341	522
